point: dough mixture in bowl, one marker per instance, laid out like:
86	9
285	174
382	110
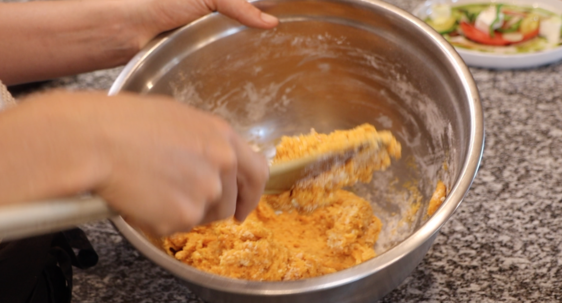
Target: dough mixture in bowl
312	230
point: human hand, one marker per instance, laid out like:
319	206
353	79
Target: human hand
48	39
174	167
156	16
165	165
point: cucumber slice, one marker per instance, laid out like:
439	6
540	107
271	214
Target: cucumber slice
443	27
530	24
472	8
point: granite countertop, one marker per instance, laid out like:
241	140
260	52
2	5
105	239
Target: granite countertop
504	243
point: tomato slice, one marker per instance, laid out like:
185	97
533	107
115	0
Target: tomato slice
476	35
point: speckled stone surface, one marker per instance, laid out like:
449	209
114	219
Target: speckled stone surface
504	243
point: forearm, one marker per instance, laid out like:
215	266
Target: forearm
47	39
49	148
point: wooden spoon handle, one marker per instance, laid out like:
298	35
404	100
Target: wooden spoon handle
31	219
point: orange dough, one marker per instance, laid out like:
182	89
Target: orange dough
373	151
315	229
274	246
437	198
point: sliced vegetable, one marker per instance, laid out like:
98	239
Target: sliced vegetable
445	26
475	35
497	27
550	29
440	12
471	16
470	12
509	11
511	27
530	24
513	37
533	45
497	23
474	8
489	20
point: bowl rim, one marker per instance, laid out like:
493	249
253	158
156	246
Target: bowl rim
416	239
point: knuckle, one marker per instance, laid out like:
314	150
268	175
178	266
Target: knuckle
223	158
223	126
223	153
214	190
229	161
191	216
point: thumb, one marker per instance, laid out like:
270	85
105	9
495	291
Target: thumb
243	12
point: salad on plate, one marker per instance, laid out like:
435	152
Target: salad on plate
496	27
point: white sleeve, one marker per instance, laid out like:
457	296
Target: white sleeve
6	98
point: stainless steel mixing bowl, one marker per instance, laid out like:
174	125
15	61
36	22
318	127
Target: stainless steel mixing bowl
329	65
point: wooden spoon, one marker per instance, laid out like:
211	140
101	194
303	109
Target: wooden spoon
35	218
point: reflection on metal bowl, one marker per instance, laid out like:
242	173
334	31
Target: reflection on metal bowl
329	65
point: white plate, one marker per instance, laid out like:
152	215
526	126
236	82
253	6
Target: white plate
502	61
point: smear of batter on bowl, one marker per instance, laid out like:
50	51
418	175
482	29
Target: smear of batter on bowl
312	230
437	198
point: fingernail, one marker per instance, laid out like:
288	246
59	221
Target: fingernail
267	18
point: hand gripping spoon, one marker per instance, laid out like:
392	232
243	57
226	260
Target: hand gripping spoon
35	218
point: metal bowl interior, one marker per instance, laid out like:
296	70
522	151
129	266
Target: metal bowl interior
328	65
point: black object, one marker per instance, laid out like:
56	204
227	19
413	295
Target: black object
39	269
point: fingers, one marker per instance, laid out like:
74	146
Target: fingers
225	206
182	169
243	12
243	174
252	175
